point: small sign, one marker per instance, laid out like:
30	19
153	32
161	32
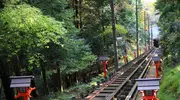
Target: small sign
119	38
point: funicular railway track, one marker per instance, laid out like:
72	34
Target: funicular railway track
121	87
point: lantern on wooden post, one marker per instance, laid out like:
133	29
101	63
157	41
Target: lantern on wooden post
140	50
104	60
23	86
125	59
157	64
145	49
134	54
148	88
125	55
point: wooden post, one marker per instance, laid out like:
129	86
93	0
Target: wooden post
104	63
134	54
157	67
137	33
114	36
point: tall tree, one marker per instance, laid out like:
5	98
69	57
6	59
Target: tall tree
38	40
169	24
26	33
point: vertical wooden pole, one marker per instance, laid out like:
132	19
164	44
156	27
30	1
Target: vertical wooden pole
151	35
104	65
137	33
114	36
149	31
58	76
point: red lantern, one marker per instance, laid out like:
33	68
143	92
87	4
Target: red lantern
104	60
23	86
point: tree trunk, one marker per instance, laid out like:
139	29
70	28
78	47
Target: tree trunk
80	12
114	36
5	73
58	76
6	86
18	66
77	12
99	68
137	31
68	81
45	80
1	4
149	32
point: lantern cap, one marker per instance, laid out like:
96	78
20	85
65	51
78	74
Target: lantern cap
156	58
103	58
20	81
148	83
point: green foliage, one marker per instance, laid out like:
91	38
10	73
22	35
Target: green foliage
28	31
127	18
96	19
94	16
41	40
28	21
58	9
76	91
119	30
78	56
42	32
170	25
96	79
60	96
80	88
40	36
170	87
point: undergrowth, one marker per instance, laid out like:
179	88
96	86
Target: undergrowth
170	84
77	91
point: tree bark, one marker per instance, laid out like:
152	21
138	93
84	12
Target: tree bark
17	66
114	36
58	76
77	12
137	30
5	73
68	81
45	79
149	32
9	93
80	13
1	4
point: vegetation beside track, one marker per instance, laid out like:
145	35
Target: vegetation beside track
169	24
80	91
170	84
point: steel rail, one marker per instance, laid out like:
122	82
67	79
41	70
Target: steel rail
133	93
114	94
134	89
121	71
122	77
